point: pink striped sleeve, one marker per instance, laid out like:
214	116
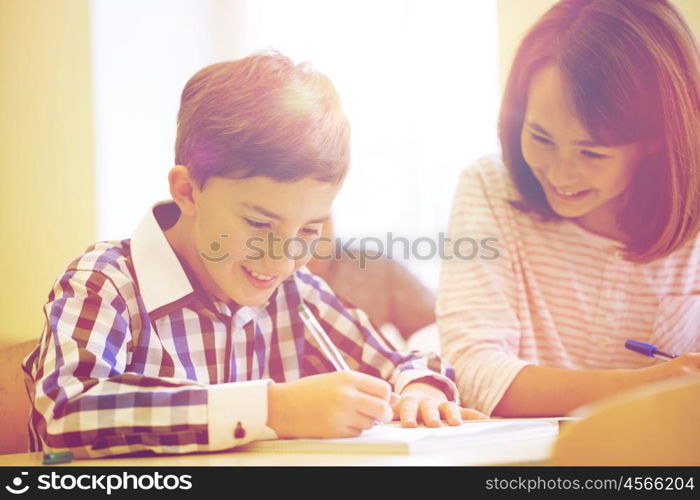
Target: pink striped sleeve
477	298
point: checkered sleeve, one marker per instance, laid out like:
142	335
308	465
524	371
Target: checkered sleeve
84	398
363	346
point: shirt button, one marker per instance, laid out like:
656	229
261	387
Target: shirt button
239	433
602	341
222	308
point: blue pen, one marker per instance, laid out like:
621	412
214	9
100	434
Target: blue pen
648	350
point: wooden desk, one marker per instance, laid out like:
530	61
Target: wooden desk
527	451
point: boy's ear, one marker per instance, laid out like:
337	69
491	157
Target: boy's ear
183	189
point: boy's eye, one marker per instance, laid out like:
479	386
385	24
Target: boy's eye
256	224
592	155
541	139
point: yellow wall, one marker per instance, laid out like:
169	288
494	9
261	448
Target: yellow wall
46	154
516	16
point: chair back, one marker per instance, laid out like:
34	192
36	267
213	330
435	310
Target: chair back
15	405
658	424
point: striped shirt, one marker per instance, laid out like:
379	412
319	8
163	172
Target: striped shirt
556	295
136	356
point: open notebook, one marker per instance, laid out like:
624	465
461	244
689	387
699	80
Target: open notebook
391	438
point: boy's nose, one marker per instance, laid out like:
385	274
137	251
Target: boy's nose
284	257
282	266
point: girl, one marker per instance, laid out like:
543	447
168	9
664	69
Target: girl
596	208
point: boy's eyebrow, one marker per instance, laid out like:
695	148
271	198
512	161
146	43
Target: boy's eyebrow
274	216
538	128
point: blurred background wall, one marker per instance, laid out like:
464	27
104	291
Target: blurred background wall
516	16
47	193
61	60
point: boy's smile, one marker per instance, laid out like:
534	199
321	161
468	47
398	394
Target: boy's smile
258	280
243	237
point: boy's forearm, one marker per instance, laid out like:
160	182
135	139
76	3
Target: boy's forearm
126	414
539	391
104	429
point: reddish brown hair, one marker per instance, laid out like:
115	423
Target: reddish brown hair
262	116
633	70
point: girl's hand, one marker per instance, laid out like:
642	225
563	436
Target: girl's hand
683	365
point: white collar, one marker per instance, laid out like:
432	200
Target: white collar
161	278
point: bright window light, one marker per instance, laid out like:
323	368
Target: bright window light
418	80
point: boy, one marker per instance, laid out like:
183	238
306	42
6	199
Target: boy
186	338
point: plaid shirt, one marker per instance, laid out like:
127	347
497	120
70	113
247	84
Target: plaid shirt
135	356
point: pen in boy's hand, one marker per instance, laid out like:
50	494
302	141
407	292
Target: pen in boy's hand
324	342
321	337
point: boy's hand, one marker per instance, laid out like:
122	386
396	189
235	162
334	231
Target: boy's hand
330	405
430	405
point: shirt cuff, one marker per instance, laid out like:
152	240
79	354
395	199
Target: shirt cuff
408	376
237	414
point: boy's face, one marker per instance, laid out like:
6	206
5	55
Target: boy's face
251	234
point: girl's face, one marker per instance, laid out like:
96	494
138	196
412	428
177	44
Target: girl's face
581	179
